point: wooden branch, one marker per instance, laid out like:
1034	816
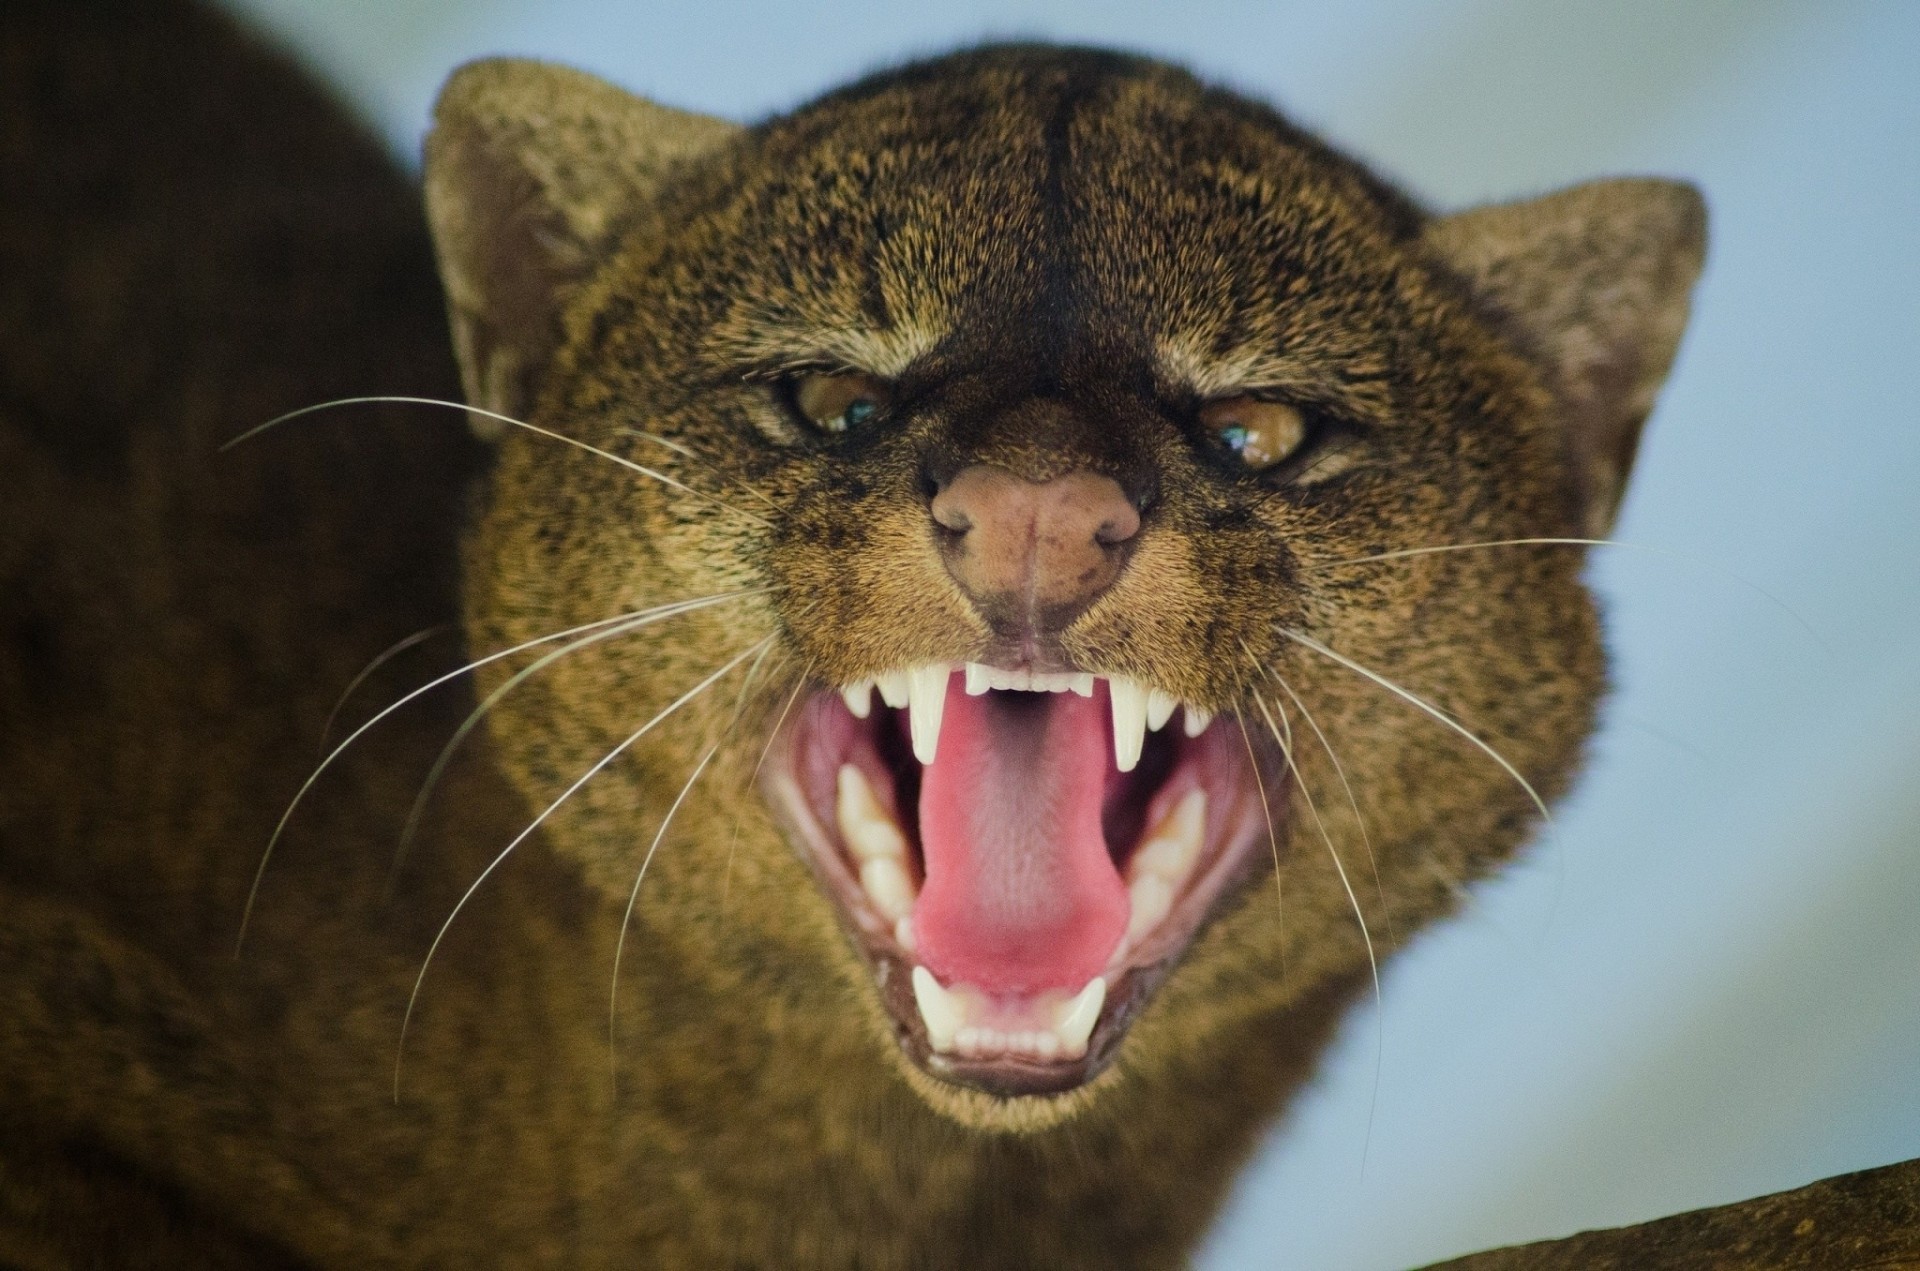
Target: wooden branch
1869	1220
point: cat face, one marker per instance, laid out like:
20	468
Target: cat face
1019	470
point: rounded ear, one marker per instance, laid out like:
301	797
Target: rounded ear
530	168
1597	280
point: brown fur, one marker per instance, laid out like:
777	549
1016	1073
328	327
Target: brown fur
1057	254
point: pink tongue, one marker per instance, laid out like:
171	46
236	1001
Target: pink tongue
1020	893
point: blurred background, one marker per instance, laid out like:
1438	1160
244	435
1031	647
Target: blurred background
1705	985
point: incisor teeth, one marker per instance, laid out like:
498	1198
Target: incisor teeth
859	698
926	702
864	825
1160	706
979	679
1129	700
1073	1020
903	934
940	1010
1197	721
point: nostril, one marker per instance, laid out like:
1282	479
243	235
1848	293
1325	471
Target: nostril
1121	524
950	513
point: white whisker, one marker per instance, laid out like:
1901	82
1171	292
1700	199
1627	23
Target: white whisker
1430	709
246	913
1671	553
399	647
412	998
733	839
642	469
1359	916
696	456
1360	822
626	918
445	757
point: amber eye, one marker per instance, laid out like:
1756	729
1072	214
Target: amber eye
1262	433
835	403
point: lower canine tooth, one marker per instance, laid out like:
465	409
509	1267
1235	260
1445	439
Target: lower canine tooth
1149	897
864	825
1073	1020
886	883
940	1011
1173	844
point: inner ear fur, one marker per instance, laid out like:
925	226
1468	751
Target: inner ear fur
1597	279
530	170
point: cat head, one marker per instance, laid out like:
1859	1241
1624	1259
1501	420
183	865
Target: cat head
1016	474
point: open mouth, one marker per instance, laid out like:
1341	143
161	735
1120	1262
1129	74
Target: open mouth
1020	855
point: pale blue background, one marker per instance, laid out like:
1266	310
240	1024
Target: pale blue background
1709	987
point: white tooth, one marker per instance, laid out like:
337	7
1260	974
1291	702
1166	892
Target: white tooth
903	935
858	697
1082	685
1175	842
979	679
865	826
940	1010
1160	704
1129	721
926	701
1149	897
1046	1044
886	883
893	688
1073	1020
1197	720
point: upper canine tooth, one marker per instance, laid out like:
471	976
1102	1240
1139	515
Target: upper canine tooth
926	702
979	679
1073	1020
942	1012
1129	700
1160	704
859	698
893	688
1197	720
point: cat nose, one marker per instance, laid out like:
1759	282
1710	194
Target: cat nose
1032	556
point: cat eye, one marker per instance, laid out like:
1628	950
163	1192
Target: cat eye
833	403
1261	432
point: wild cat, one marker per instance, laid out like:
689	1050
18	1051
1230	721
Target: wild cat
992	602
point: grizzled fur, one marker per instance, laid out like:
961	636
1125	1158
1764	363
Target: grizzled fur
1056	255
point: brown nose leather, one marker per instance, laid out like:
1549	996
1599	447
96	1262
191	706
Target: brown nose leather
1035	554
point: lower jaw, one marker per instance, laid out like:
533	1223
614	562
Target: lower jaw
1237	852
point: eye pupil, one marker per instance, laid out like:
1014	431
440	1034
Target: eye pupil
1235	436
858	411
